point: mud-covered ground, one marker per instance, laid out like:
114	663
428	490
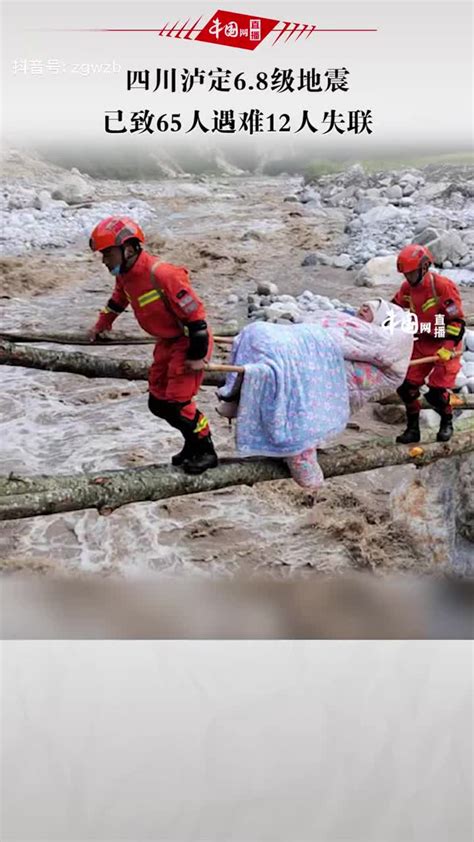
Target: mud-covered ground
230	233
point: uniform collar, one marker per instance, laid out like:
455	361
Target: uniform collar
137	267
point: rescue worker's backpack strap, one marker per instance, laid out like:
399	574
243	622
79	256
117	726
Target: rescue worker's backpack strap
433	288
164	298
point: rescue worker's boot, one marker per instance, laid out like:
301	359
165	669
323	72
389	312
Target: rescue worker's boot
203	456
440	401
412	432
185	453
445	428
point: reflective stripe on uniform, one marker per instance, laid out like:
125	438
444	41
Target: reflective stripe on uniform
431	302
148	297
203	422
453	330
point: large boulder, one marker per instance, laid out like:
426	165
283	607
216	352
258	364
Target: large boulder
426	236
317	258
367	203
74	190
382	215
439	524
379	271
433	191
394	192
342	261
23	197
448	246
267	288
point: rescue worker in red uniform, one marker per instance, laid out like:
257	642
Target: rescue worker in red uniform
437	304
166	306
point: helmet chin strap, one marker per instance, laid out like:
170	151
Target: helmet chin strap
124	267
421	274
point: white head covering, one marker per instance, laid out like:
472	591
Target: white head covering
382	311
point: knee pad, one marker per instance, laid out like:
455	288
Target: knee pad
170	411
158	407
408	391
438	398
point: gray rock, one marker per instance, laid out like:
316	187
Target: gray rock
378	271
433	191
382	215
447	264
290	199
44	201
448	246
342	261
316	258
390	414
22	198
287	299
410	178
232	298
408	189
267	288
394	192
311	259
426	221
74	190
406	202
309	194
435	510
426	236
367	203
371	193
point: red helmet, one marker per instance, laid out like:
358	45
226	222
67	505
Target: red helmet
114	231
412	257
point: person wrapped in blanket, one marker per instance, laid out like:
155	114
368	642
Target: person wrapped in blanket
303	381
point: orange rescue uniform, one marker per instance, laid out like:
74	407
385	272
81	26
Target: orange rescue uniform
166	306
437	304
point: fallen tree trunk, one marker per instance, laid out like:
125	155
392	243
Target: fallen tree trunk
22	497
88	365
68	338
457	401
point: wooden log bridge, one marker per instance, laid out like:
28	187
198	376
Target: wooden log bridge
76	362
105	491
71	338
